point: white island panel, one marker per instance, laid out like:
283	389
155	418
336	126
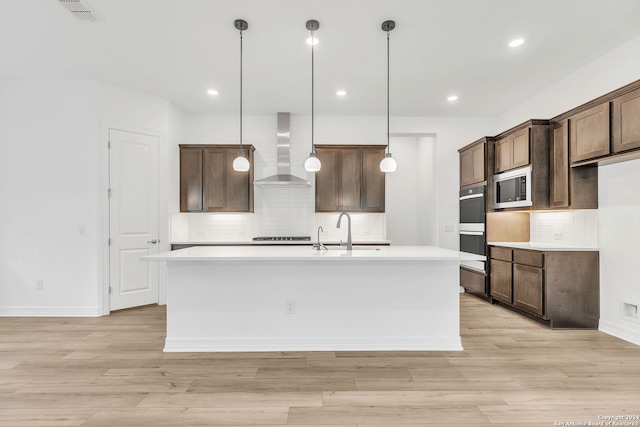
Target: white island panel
236	299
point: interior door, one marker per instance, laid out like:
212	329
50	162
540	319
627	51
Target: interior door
133	218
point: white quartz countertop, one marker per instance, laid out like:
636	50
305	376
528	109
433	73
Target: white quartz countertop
277	242
303	253
541	246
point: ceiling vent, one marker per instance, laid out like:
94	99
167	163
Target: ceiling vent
81	10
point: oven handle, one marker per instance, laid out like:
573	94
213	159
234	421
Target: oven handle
472	233
472	196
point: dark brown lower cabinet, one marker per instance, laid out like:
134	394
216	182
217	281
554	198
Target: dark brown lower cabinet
527	288
500	280
559	288
473	281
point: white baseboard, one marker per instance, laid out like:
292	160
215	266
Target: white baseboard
310	344
92	311
633	336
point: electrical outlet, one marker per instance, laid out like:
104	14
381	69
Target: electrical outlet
630	311
39	284
242	233
82	230
449	228
291	307
557	235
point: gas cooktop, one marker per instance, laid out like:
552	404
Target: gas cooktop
282	239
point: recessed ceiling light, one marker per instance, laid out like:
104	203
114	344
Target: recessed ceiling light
452	98
314	41
212	92
516	42
341	92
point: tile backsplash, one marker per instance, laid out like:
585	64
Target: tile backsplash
278	212
571	228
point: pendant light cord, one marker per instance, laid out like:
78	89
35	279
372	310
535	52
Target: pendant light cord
388	141
312	94
241	153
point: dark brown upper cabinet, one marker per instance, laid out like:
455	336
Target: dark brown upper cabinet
512	151
473	163
350	179
525	144
626	122
208	182
589	133
575	187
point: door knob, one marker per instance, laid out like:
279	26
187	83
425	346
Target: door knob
154	241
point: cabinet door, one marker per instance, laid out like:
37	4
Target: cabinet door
350	182
504	154
215	165
560	165
466	168
528	288
373	180
472	165
500	280
327	191
520	148
589	132
191	180
626	122
238	184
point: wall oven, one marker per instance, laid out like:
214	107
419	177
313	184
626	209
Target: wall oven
472	225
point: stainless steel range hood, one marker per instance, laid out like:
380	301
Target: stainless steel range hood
283	178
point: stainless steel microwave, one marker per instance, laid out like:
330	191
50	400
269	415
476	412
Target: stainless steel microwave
512	189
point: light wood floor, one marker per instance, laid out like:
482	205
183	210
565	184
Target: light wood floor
111	371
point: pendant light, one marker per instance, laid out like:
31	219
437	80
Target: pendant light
240	163
312	164
388	164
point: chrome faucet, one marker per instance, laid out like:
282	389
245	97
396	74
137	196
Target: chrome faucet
349	245
318	246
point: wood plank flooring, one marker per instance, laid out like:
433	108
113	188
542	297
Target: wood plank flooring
111	371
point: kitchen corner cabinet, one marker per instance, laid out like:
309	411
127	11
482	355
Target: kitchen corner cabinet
626	122
570	187
590	133
473	163
557	288
350	179
208	182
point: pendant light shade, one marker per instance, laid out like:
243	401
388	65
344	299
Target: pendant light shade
240	163
312	164
388	164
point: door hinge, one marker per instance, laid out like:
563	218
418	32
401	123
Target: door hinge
109	145
109	192
109	289
109	241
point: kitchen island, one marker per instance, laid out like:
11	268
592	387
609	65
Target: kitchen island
289	298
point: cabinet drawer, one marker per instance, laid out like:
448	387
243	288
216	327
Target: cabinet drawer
473	281
535	259
501	253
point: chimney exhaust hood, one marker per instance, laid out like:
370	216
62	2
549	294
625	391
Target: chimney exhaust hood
283	178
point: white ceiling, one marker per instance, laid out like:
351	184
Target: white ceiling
178	49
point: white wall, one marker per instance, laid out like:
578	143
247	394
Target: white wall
411	204
618	248
52	149
619	226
